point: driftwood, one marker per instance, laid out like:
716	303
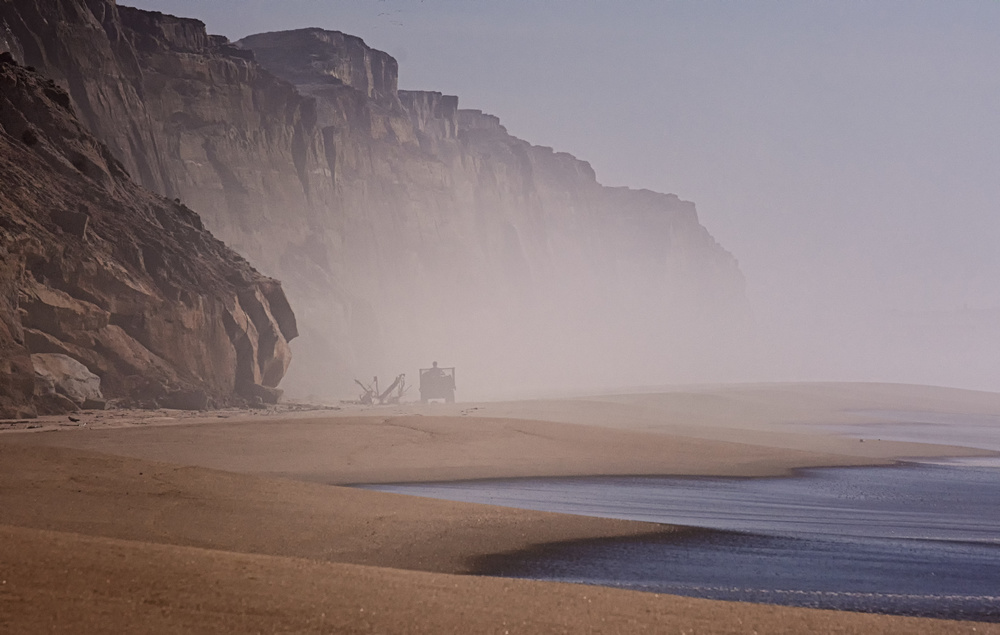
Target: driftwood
390	395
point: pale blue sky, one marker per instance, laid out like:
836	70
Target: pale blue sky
847	153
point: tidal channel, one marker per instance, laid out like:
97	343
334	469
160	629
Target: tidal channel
916	539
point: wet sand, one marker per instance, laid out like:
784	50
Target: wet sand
227	523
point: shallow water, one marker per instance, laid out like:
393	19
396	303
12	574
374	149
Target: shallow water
966	430
914	540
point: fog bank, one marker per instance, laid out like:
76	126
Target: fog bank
847	156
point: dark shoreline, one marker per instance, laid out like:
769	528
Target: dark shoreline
508	564
915	559
533	563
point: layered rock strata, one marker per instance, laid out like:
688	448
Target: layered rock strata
127	283
404	228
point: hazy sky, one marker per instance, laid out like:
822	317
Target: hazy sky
847	153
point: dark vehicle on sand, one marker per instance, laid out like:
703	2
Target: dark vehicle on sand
437	383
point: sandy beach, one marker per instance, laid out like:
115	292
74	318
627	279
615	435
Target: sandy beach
237	522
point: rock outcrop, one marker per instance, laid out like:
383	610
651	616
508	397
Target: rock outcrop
64	384
403	227
126	283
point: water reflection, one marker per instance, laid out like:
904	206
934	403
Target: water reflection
918	539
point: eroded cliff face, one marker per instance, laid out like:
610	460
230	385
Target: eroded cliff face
123	281
405	229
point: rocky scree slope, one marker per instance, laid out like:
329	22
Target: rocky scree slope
404	228
128	283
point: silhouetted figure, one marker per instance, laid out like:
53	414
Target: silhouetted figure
437	383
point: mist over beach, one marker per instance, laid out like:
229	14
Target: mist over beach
845	155
696	298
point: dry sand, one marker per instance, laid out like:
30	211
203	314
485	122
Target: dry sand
226	522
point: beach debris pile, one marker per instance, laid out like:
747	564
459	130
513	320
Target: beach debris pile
371	394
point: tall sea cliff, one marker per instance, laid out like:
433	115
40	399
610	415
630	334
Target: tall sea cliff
108	291
404	228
